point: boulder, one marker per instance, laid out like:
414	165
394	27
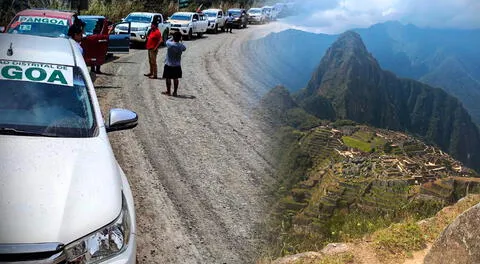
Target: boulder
459	243
306	257
335	248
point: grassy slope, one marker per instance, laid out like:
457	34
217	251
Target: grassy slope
320	204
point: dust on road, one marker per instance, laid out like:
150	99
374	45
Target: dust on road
198	164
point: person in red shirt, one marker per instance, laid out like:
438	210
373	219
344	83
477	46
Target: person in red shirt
153	42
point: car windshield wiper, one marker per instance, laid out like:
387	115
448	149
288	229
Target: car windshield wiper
13	131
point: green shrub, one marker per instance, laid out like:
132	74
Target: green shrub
399	239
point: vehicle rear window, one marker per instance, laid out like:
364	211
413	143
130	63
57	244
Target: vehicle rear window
93	25
234	12
40	26
45	99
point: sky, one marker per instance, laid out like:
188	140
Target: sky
336	16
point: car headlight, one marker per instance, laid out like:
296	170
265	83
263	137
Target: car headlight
102	244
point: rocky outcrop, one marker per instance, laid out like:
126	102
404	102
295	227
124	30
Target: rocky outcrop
459	242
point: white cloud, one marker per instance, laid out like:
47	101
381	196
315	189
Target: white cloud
335	16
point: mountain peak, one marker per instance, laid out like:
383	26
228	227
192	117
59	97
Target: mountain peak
348	44
347	59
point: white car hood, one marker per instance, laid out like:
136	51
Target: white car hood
139	25
179	22
56	189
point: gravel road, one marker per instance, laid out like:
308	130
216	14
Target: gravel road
198	164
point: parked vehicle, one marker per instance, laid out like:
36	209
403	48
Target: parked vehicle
54	23
98	41
217	19
189	23
271	12
257	16
140	25
64	199
240	17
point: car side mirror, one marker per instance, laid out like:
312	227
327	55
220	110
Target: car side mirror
219	16
121	119
194	20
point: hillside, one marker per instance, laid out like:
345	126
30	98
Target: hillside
341	180
441	58
358	89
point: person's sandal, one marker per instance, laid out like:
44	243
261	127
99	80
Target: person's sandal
166	93
153	77
147	74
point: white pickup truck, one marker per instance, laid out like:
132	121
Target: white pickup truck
217	19
189	23
141	22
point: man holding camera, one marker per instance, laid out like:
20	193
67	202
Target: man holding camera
173	68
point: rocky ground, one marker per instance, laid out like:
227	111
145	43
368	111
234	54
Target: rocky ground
198	164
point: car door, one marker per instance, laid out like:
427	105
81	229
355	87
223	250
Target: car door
195	23
119	43
203	23
221	19
95	46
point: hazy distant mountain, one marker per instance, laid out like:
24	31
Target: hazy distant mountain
350	81
441	58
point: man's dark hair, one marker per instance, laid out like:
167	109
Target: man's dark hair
74	29
177	36
155	23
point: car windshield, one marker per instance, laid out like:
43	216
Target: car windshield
40	26
44	100
181	17
234	12
255	11
138	18
211	14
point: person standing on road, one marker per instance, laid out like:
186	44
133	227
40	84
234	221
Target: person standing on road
229	22
153	43
173	68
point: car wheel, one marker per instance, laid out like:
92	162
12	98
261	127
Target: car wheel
190	34
215	30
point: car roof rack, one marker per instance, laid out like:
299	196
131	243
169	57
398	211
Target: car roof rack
49	9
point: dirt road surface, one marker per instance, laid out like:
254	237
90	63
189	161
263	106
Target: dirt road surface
198	164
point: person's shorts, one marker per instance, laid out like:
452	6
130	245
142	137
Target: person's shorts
171	72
